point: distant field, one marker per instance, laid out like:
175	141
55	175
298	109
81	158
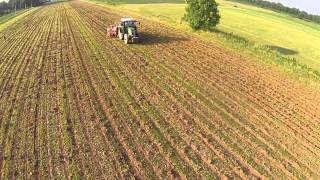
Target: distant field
282	33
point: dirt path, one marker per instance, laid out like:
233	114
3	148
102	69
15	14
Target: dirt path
74	104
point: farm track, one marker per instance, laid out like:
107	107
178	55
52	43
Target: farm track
74	104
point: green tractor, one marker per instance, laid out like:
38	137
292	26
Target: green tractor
127	30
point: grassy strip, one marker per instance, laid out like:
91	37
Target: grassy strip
11	18
7	17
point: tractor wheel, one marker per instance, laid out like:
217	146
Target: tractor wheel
126	39
120	35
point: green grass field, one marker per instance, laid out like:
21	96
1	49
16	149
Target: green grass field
282	33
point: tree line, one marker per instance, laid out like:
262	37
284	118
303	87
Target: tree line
12	5
281	8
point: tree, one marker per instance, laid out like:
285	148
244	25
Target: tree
202	14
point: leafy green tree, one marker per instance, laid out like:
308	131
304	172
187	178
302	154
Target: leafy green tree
202	14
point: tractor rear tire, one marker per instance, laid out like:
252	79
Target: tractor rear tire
126	39
120	35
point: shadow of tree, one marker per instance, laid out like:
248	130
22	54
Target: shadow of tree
282	50
151	38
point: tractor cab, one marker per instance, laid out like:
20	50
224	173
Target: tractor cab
128	22
128	31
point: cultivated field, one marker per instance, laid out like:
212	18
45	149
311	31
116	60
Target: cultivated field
75	104
282	33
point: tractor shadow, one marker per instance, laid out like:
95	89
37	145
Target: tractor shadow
153	39
282	50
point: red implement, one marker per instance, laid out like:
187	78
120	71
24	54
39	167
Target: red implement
112	31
